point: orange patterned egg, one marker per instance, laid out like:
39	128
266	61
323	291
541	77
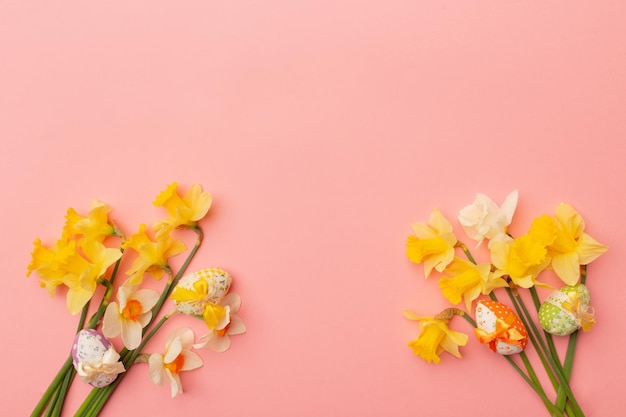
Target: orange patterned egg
499	328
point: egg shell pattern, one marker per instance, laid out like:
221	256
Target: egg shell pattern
555	319
487	311
219	282
90	346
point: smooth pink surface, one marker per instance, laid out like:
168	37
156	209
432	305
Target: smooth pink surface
322	129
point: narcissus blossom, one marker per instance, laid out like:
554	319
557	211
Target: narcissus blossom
153	255
521	259
183	211
485	220
130	316
84	272
465	280
435	337
433	243
178	357
218	338
50	262
571	247
95	226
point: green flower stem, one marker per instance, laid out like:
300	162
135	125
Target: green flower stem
554	365
65	385
52	389
535	385
466	251
533	382
533	340
170	285
548	336
568	363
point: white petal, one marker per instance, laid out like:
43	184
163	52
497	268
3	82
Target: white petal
156	368
144	319
147	298
111	325
234	301
185	336
220	344
131	334
175	385
192	361
236	326
174	349
508	206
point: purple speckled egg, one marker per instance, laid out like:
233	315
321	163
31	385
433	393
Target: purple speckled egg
89	347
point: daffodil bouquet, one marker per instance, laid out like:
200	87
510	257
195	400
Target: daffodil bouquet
558	243
88	255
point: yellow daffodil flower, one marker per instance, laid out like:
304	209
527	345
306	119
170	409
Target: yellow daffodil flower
50	262
467	280
183	211
218	338
178	357
153	256
83	272
433	243
130	316
435	337
95	226
572	247
521	259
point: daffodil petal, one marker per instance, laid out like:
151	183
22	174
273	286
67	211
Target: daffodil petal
111	326
131	334
156	368
192	361
567	267
589	249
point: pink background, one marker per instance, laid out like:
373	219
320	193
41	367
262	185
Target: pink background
322	129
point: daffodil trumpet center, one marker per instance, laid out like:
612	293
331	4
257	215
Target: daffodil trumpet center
132	310
222	332
176	365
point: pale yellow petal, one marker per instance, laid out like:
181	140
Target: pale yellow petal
567	267
589	249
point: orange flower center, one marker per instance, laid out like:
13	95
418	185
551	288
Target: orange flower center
132	310
223	331
176	365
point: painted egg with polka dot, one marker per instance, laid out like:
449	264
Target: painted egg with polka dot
89	347
211	285
558	313
499	328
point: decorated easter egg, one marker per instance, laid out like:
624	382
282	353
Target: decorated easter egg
566	310
210	286
499	328
94	358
